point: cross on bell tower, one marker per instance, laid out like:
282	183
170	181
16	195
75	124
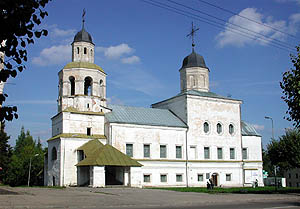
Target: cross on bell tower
192	35
83	20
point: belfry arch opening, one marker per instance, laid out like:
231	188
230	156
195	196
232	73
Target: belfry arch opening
88	86
72	85
101	87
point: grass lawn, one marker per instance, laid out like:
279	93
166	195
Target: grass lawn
239	190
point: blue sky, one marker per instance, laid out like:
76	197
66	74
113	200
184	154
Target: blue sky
141	48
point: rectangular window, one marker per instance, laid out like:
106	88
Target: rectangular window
290	176
220	153
228	177
206	152
296	175
207	175
80	155
178	177
129	150
232	153
88	131
163	178
146	150
200	177
146	178
178	152
244	153
163	151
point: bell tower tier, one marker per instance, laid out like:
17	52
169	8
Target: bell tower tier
194	75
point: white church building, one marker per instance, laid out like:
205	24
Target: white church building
185	140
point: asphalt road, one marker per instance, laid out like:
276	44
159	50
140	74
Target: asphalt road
130	198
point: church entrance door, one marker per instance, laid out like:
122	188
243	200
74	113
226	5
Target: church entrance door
215	179
114	175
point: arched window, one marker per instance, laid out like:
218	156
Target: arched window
206	127
84	50
91	52
219	128
72	85
54	154
88	86
101	87
77	50
231	129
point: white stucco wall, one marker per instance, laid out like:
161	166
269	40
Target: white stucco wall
138	135
78	123
98	179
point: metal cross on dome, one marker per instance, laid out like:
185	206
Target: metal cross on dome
83	14
192	34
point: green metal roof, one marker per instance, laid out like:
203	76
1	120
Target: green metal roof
143	116
98	154
87	65
248	129
77	135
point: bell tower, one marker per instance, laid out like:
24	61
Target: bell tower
82	83
194	74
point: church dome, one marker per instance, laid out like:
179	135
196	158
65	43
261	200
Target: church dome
193	60
83	36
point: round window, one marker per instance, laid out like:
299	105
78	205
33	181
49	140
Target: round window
231	129
206	127
219	128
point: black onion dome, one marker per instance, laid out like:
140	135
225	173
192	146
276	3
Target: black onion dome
194	60
83	36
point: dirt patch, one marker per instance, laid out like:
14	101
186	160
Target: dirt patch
7	192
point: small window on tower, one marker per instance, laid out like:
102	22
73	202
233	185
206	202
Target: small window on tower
84	50
77	50
91	52
88	131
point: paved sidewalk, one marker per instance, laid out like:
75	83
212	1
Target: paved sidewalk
81	197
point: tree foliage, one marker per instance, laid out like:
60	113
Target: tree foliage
291	89
19	21
5	152
285	152
26	149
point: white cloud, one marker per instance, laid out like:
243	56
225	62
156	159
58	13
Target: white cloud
114	52
53	55
258	127
63	33
130	60
114	100
227	37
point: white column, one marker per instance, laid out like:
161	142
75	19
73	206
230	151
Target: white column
98	176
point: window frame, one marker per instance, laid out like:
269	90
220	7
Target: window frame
208	157
53	153
231	148
218	156
246	150
228	177
147	145
229	129
177	156
179	175
127	145
198	175
160	153
144	175
219	124
166	175
208	126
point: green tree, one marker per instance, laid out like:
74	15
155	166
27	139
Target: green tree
285	152
5	152
19	22
26	150
291	89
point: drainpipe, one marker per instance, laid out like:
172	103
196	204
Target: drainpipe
186	158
